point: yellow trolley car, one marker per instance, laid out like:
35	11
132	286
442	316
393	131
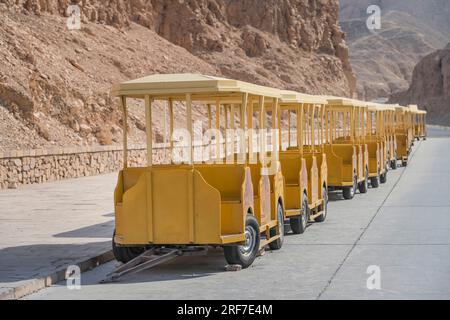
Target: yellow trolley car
346	153
303	160
194	202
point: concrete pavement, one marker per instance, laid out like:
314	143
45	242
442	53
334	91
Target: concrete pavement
44	228
402	228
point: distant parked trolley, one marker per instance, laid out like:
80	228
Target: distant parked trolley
302	158
345	150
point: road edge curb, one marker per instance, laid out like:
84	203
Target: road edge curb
30	286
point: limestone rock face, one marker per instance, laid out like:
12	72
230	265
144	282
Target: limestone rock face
430	87
55	82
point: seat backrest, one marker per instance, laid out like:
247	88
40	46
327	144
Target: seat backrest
291	165
227	179
131	176
344	151
255	170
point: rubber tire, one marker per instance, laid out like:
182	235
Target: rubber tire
364	186
323	216
404	163
349	192
277	244
394	163
383	178
233	254
298	224
375	182
125	254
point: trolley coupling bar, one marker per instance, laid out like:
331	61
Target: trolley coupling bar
151	258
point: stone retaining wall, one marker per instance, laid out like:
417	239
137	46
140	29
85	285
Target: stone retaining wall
37	166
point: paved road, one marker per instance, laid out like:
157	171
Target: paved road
403	228
49	226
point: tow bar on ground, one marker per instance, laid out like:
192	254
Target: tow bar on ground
151	258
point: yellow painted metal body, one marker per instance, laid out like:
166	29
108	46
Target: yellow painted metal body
389	131
303	160
195	203
403	132
345	150
202	203
379	138
419	122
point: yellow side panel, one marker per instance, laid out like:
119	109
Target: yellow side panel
334	167
134	214
170	199
232	222
207	213
118	191
292	197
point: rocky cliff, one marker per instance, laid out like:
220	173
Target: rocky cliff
54	82
430	87
383	60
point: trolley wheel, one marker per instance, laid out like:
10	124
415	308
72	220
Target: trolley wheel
404	163
364	186
383	177
277	244
125	254
349	192
298	224
323	216
375	181
394	164
246	253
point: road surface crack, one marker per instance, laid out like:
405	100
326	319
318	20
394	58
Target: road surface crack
365	229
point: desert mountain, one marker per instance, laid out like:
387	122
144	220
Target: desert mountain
55	82
383	60
430	87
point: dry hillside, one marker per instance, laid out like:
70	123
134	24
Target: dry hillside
54	82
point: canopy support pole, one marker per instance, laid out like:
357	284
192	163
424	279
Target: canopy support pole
148	118
189	127
123	104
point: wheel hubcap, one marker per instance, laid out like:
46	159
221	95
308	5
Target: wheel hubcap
305	214
366	183
280	224
250	239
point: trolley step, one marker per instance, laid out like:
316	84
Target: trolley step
151	258
293	212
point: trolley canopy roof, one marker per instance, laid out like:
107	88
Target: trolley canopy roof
401	109
414	108
293	97
179	84
344	102
372	106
